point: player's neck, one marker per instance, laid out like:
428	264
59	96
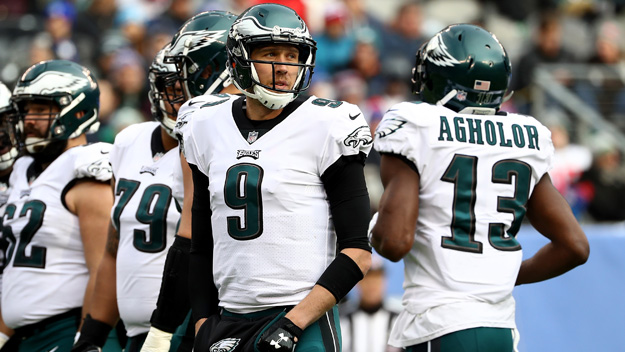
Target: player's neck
169	142
74	142
258	112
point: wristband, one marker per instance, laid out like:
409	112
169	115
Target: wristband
340	276
157	341
3	339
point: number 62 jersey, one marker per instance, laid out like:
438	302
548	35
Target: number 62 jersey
46	273
477	173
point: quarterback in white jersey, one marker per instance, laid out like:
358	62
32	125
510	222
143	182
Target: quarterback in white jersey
262	184
466	174
56	215
280	205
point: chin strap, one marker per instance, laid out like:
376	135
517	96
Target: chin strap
447	97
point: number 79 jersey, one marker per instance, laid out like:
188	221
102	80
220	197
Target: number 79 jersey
145	216
272	230
477	173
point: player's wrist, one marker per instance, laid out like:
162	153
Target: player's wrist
157	341
93	332
3	339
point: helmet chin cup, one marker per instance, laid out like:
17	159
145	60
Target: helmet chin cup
7	159
35	145
168	125
272	100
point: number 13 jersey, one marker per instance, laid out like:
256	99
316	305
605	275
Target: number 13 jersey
477	173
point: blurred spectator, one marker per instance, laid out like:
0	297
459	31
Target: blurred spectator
40	49
405	35
98	18
59	21
603	185
366	328
605	88
363	23
569	162
132	23
129	77
547	48
366	62
176	14
335	45
109	103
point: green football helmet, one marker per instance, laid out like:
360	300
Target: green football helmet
9	129
463	67
198	52
265	24
69	86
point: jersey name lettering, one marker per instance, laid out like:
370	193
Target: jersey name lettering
478	131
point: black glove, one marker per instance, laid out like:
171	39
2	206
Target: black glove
279	336
85	346
93	335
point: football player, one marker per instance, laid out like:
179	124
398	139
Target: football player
58	209
9	140
460	175
286	194
145	214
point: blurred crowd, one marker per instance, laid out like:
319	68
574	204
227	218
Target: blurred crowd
366	49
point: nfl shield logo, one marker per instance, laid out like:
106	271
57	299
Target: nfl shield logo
252	137
461	96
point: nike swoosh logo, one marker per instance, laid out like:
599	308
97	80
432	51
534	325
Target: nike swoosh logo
54	349
354	117
191	103
104	152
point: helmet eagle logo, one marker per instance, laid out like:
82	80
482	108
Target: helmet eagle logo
436	51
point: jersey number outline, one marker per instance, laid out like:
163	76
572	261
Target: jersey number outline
148	212
37	258
462	172
242	190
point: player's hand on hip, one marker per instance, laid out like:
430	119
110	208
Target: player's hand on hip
281	336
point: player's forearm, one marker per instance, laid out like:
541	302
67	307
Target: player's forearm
550	261
103	303
173	304
312	307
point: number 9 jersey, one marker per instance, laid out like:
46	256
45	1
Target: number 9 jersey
268	202
477	173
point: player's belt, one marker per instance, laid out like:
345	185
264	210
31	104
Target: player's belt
27	331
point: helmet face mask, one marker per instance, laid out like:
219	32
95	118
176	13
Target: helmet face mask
197	52
10	130
462	67
71	94
263	25
161	106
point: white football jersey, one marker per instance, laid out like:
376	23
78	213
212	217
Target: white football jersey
46	273
145	215
272	229
476	174
5	191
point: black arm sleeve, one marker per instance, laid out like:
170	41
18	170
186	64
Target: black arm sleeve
202	290
173	299
344	182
